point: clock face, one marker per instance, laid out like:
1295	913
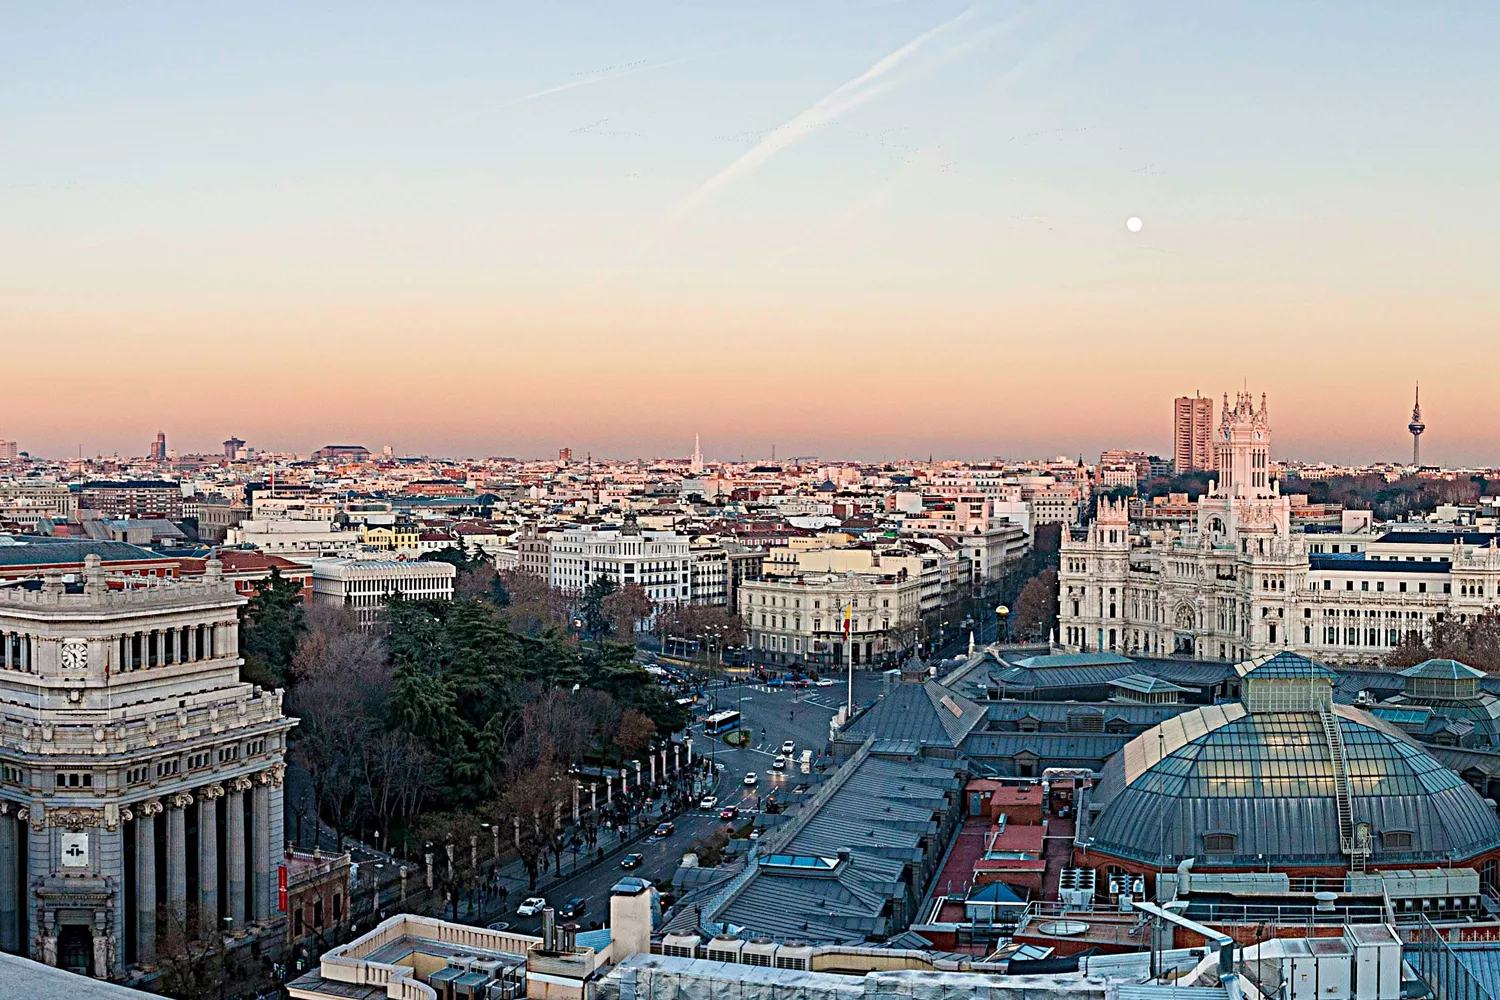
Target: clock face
74	655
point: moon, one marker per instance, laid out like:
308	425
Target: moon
1133	224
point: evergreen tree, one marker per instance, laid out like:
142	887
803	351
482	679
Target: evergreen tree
596	623
271	626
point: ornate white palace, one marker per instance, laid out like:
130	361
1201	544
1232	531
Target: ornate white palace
1239	581
140	798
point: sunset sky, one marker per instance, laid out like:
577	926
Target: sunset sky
864	229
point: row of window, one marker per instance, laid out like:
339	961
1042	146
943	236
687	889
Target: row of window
817	603
817	624
1228	843
1364	585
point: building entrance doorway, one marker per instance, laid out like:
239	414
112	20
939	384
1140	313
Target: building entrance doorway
75	949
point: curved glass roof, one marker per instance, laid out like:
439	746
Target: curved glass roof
1267	779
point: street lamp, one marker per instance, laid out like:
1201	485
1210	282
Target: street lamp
1002	623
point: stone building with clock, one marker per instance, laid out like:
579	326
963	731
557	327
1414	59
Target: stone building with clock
140	779
1240	581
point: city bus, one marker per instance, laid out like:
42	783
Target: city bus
721	722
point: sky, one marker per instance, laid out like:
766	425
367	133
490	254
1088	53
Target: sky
859	228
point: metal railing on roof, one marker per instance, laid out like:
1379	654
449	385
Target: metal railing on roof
1439	965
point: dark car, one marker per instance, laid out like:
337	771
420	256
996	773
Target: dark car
729	812
664	830
573	908
632	860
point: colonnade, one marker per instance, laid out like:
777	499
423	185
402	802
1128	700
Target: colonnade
251	834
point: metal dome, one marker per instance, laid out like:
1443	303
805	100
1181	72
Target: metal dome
1238	788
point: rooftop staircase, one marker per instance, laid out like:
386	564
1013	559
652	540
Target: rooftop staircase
1357	852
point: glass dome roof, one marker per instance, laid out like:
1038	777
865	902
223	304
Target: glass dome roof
1234	787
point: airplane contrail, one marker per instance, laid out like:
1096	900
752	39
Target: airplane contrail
844	98
584	82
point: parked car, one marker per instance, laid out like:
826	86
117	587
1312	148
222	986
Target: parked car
632	861
708	802
788	748
729	812
751	779
664	830
531	906
779	764
573	908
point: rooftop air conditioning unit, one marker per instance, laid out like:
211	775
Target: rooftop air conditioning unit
759	951
724	948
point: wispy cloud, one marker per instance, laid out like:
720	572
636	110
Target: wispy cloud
841	100
584	81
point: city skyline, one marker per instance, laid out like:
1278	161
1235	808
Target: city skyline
865	229
309	441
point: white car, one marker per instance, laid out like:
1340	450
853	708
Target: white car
779	764
708	802
531	907
751	779
788	748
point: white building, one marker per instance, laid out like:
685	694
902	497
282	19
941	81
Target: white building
1237	582
659	561
366	584
800	620
298	539
131	749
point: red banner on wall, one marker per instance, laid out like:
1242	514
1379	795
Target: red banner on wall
281	888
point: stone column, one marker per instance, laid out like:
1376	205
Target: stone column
260	864
145	881
10	856
234	854
651	759
208	859
177	805
576	789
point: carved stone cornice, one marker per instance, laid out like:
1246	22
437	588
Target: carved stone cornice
179	800
240	784
210	792
151	807
77	818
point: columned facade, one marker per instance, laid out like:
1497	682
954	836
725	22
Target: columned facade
128	746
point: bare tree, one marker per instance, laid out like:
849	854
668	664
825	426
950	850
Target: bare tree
554	721
533	796
626	608
534	605
635	733
199	966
